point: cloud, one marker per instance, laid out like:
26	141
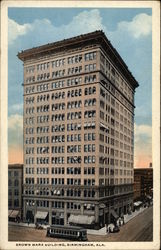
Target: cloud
84	22
143	144
15	138
141	25
15	122
143	130
15	30
16	108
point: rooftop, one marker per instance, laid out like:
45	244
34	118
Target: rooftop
16	165
97	37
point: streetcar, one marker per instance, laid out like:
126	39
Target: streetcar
67	232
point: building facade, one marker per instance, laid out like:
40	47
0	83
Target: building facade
78	132
15	178
143	183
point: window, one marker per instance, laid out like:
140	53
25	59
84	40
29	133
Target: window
58	117
75	59
89	114
74	115
57	181
58	138
89	159
74	104
89	136
58	63
16	192
57	160
42	118
58	128
58	106
74	70
74	137
90	67
90	78
74	159
74	93
16	203
58	149
89	148
43	98
58	170
59	84
16	183
90	91
72	181
74	81
90	56
43	66
74	148
58	73
89	182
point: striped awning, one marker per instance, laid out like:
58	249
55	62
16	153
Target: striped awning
104	126
41	214
114	214
137	203
14	213
9	212
81	219
102	205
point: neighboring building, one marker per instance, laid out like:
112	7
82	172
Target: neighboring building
78	132
143	183
15	178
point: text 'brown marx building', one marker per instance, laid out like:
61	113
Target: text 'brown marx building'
78	132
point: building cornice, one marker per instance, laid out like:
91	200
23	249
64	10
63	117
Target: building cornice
97	37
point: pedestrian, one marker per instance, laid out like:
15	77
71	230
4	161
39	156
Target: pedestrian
119	222
28	221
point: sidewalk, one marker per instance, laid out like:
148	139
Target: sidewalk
128	217
102	231
22	224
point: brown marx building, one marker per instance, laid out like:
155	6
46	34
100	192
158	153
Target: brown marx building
78	132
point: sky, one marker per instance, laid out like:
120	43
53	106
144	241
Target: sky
128	29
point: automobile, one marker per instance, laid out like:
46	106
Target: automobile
116	229
112	228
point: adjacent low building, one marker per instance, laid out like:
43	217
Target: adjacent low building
143	183
15	178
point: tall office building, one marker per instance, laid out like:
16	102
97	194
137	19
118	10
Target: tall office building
78	132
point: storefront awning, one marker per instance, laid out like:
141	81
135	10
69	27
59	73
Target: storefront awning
114	214
14	213
81	219
9	212
41	215
102	205
104	126
137	203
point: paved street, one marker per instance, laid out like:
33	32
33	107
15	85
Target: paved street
139	228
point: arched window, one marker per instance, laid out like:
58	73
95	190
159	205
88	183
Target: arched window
9	182
16	183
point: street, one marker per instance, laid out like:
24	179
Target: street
139	228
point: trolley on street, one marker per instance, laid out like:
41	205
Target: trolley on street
68	232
